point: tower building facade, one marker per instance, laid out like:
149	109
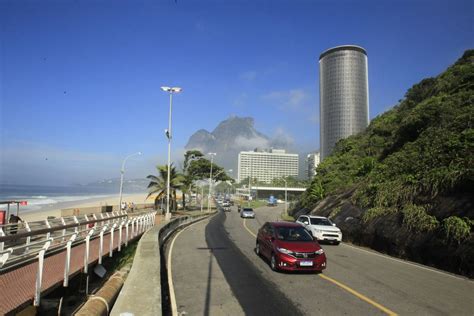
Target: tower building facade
312	162
344	94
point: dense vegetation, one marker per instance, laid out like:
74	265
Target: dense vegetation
413	164
291	182
195	168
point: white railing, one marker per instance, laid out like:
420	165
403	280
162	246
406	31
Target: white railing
33	241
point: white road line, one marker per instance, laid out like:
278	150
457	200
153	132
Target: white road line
406	262
174	308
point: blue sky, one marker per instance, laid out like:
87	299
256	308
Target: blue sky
80	80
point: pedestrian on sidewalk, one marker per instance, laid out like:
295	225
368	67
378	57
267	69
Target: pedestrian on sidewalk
14	223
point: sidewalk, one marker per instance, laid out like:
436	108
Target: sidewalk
141	293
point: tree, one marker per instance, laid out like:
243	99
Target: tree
189	156
290	180
158	184
188	179
200	170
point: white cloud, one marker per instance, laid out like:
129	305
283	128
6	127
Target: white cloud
293	99
240	100
250	75
283	136
251	143
30	163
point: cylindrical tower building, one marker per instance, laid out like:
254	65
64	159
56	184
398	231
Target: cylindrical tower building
343	93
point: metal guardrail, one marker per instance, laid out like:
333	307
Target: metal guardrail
24	242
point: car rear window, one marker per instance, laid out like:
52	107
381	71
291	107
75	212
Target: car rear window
248	210
320	221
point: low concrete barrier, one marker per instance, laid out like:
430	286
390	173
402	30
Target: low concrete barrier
141	293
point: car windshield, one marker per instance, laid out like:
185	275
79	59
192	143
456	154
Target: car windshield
320	221
248	210
293	234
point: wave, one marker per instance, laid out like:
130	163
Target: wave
41	202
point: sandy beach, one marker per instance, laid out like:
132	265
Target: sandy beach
55	209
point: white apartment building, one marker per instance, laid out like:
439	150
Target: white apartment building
312	161
266	166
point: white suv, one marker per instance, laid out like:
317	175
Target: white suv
321	228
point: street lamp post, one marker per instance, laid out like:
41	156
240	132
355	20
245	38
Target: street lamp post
231	185
210	184
202	195
286	201
122	171
171	91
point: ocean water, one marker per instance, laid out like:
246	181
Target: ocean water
46	197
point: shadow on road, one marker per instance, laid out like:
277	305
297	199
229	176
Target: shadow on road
255	294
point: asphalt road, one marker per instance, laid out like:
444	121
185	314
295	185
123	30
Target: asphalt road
215	271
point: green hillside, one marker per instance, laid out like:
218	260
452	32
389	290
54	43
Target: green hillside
413	166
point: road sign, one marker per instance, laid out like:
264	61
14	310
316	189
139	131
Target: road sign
23	202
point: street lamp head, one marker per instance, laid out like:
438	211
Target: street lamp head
211	154
171	90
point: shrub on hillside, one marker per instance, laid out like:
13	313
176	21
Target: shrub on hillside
456	229
417	220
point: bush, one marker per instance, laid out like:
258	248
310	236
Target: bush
377	212
456	229
416	219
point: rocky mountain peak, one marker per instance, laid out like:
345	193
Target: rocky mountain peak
230	137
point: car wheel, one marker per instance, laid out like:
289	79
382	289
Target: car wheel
273	263
337	243
257	249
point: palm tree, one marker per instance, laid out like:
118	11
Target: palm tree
158	184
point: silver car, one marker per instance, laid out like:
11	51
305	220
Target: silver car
247	213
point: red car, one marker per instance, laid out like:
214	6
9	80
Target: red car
289	246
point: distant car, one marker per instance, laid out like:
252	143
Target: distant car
226	208
272	201
247	213
289	246
321	228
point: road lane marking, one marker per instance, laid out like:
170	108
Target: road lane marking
357	294
174	308
245	226
345	287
